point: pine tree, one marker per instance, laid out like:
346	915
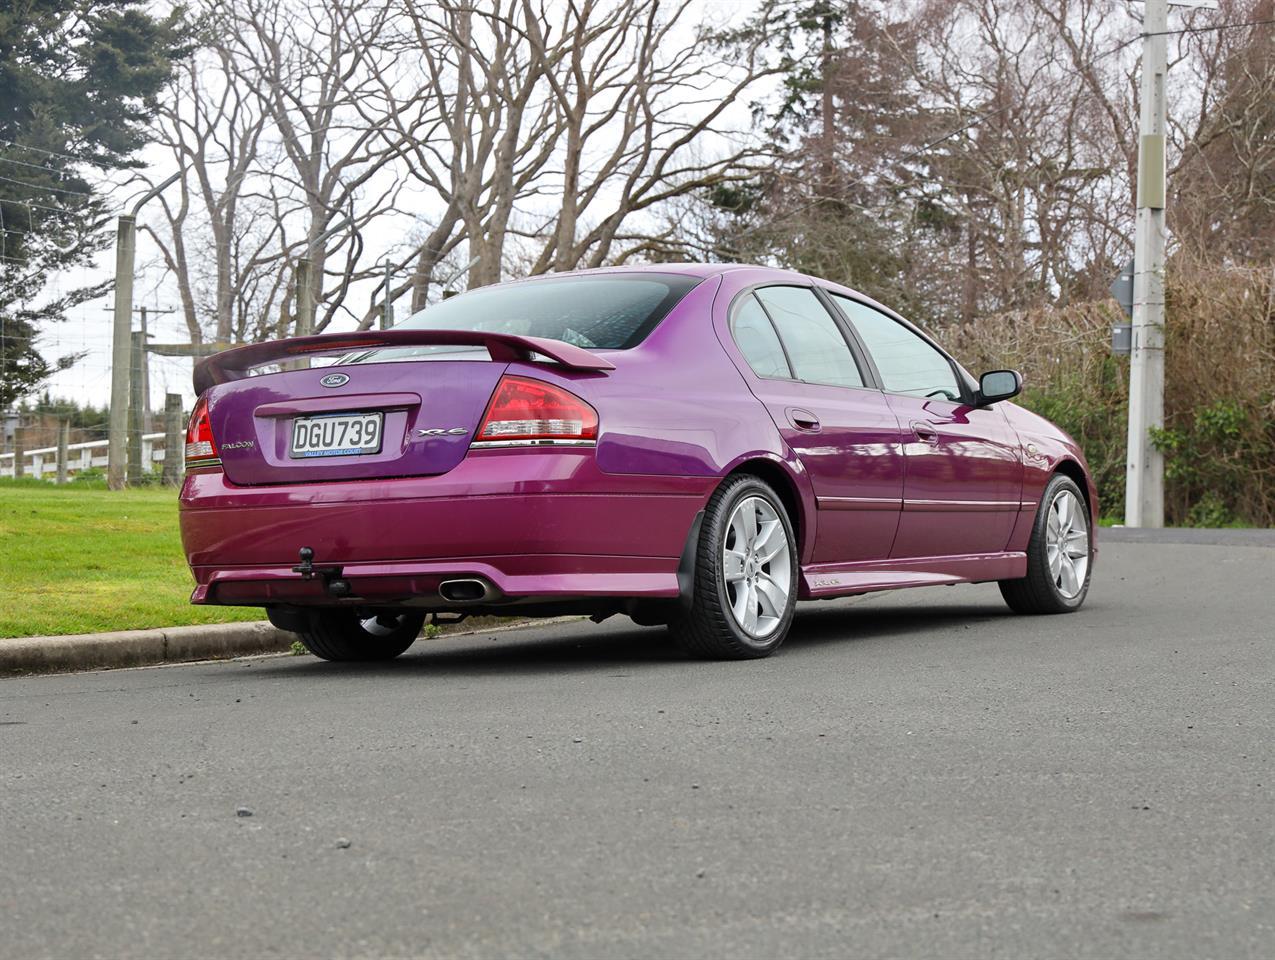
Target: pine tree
846	121
78	80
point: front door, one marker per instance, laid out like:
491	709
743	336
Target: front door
964	465
964	478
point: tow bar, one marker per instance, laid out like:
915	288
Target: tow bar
331	576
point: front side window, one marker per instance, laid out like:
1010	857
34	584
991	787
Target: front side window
907	363
815	345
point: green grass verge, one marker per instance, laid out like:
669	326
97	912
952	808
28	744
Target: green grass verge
81	559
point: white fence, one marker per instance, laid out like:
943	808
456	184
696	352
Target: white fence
79	456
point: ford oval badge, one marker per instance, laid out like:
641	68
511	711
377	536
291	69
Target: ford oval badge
335	380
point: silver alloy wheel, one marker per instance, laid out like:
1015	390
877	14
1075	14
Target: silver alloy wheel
757	567
1067	544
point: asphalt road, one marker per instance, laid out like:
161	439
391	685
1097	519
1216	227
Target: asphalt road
917	775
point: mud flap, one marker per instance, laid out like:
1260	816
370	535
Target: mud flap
686	566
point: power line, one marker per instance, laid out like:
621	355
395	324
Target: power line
50	153
39	206
39	187
33	166
1168	33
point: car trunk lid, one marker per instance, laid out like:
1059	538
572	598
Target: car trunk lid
426	411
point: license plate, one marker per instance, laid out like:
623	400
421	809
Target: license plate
336	435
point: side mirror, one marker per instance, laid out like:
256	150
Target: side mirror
997	385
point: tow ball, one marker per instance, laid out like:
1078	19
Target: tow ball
331	576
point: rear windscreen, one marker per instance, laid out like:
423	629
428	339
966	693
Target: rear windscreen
612	312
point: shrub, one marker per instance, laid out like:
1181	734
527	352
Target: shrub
1218	439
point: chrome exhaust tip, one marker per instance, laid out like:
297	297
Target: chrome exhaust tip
466	590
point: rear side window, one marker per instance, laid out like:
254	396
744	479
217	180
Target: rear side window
815	345
756	339
907	363
612	312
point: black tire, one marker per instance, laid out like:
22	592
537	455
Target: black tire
340	634
1039	591
709	629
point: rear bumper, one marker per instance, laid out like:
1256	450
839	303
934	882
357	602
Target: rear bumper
535	525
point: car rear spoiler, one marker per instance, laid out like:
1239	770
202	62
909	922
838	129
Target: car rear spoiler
236	363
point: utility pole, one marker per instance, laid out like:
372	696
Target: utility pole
145	313
1144	490
117	437
122	341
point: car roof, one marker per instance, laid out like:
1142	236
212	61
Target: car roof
706	270
684	269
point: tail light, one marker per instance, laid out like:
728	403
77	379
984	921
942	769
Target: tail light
201	448
525	412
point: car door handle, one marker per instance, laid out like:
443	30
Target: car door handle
925	432
803	419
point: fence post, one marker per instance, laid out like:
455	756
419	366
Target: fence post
174	448
135	408
64	441
19	452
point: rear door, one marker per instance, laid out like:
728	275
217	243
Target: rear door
842	430
964	466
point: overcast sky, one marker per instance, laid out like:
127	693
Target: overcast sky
88	327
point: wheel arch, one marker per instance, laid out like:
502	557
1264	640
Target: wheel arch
780	476
1074	471
794	496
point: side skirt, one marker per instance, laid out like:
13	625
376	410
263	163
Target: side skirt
821	580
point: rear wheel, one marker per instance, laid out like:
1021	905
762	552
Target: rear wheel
346	634
746	572
1059	554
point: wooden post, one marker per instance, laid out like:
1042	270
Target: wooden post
136	405
144	371
64	441
125	242
19	451
174	445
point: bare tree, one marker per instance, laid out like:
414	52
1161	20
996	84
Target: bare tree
213	128
545	129
314	65
639	94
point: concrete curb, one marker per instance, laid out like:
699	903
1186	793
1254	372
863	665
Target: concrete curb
136	648
1203	536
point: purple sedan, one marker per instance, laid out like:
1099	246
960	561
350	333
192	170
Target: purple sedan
694	445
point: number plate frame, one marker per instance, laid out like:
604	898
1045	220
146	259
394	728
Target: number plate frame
361	450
